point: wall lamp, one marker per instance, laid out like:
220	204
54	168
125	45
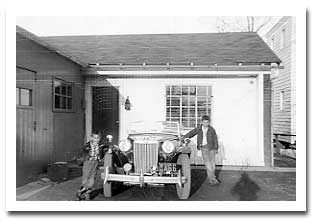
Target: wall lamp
127	104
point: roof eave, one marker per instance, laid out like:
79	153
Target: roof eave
185	67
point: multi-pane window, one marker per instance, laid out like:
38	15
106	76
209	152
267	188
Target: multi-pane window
186	104
23	97
62	95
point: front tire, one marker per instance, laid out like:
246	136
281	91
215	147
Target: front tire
183	192
107	187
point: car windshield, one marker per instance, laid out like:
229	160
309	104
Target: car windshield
155	127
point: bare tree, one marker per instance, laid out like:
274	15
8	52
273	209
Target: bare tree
241	24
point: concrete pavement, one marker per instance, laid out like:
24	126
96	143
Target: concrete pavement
253	185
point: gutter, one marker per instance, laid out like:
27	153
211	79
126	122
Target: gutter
113	67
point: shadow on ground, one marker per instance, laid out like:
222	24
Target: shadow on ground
246	189
198	176
117	188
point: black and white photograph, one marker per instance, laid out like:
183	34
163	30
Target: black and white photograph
161	114
157	109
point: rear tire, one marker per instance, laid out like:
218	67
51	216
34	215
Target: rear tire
107	187
183	192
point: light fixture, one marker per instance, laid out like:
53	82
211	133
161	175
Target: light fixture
127	104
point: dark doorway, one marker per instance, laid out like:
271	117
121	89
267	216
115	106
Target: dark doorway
105	111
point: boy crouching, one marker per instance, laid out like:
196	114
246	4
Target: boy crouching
93	152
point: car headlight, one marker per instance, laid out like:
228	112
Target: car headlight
168	147
125	145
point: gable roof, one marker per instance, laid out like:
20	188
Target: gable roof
199	48
23	32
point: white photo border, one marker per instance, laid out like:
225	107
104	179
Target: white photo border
186	8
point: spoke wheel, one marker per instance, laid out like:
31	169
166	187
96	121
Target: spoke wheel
183	192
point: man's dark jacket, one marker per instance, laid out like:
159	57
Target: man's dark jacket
212	143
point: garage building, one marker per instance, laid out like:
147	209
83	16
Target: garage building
180	77
173	77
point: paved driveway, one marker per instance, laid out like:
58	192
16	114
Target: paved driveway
235	185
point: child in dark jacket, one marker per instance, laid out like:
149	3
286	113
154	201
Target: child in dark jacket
93	152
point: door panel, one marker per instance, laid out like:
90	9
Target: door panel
68	135
68	129
25	126
105	111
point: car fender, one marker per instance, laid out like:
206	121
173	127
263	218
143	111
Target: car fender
183	150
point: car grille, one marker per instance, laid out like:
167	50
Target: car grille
145	155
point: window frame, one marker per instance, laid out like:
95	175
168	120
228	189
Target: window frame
283	38
281	100
54	94
195	107
31	98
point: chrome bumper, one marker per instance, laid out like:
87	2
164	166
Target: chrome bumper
142	179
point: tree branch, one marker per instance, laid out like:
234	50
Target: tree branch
248	23
252	23
263	24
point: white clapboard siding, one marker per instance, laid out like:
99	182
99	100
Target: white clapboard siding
283	121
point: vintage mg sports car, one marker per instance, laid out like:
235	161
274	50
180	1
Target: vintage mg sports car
153	154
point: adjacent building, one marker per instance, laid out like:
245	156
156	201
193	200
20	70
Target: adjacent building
282	40
49	105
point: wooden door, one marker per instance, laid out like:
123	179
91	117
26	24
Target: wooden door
105	111
25	123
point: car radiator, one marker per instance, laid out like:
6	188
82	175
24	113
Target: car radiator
145	155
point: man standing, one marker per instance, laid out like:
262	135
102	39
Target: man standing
207	143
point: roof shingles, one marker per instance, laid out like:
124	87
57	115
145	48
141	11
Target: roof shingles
199	48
